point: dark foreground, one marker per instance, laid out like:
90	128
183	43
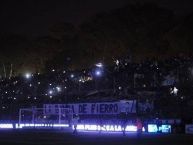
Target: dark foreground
37	137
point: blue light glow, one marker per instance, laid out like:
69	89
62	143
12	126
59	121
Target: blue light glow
111	128
98	72
166	128
6	126
29	125
153	128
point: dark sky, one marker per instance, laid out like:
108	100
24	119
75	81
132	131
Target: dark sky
33	17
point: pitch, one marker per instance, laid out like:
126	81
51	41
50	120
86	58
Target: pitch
61	137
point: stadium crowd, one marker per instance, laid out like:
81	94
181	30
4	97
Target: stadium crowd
168	83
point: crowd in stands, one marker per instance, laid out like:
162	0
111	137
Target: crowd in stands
167	82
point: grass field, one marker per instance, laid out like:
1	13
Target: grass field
40	137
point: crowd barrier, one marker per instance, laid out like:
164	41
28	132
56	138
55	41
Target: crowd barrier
151	128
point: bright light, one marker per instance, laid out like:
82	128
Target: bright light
131	128
72	75
117	62
50	92
106	128
166	128
175	91
163	128
98	73
58	89
28	75
99	65
27	125
90	127
6	126
152	128
60	125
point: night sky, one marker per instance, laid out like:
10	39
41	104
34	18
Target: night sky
33	17
25	30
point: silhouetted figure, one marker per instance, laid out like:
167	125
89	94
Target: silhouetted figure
139	127
123	122
75	123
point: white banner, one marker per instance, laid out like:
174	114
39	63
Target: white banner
94	108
